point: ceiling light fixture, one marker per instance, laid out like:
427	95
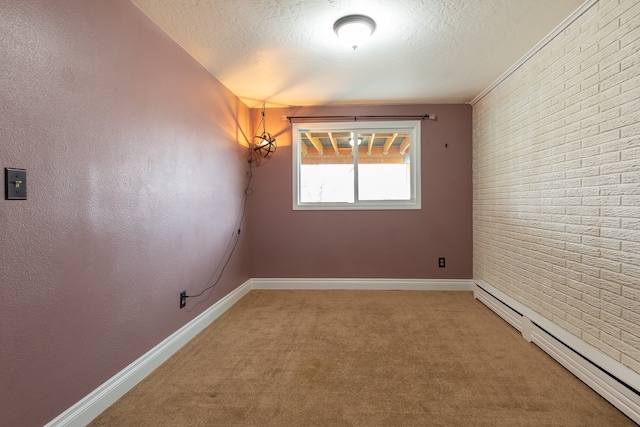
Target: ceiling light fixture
354	29
264	144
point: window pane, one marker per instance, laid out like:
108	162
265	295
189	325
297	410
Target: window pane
384	166
356	165
326	168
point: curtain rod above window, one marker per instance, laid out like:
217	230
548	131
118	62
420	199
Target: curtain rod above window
355	118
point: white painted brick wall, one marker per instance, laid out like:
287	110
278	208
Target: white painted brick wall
557	181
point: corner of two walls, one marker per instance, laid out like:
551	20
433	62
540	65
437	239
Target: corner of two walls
136	162
557	184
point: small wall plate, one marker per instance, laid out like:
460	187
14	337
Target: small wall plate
15	184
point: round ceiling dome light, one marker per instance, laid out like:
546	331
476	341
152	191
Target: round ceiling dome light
354	29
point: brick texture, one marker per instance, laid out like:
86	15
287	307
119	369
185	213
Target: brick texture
556	175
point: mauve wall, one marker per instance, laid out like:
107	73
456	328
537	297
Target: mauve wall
368	244
135	184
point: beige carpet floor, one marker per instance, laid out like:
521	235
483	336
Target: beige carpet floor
361	358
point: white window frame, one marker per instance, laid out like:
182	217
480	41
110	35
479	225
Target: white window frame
412	127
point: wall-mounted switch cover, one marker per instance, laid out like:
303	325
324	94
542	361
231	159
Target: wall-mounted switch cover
15	184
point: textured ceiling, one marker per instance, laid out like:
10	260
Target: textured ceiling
285	53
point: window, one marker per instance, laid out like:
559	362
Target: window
356	165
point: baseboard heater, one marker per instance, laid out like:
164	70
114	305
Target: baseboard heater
606	376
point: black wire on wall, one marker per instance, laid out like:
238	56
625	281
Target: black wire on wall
235	236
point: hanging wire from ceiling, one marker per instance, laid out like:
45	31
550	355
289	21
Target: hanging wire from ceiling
264	145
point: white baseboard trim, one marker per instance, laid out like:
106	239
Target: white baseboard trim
605	375
364	284
113	389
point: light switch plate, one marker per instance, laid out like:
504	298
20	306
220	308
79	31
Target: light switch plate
15	184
